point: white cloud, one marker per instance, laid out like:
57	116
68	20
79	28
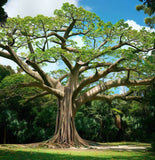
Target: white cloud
136	26
34	7
88	8
8	62
122	90
79	41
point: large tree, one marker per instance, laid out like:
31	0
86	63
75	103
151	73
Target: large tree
109	56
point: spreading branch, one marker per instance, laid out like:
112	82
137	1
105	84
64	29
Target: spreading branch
89	95
96	76
67	62
37	96
110	98
48	80
69	29
50	90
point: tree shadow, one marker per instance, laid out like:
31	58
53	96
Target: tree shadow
9	154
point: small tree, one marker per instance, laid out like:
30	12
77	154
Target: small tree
116	53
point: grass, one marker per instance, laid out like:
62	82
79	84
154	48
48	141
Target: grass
19	152
126	143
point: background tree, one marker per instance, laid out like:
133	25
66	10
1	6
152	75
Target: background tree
148	7
114	52
19	121
5	71
3	14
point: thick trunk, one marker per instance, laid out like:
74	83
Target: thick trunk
65	131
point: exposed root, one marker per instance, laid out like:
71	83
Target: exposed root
54	143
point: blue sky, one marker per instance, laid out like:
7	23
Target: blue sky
114	10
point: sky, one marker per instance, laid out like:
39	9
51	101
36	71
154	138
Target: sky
107	10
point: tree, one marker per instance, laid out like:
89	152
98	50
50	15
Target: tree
5	71
3	14
148	7
19	121
113	52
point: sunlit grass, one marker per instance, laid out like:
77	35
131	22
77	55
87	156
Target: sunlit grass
126	143
19	152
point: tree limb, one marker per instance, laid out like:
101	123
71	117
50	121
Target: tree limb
117	96
67	62
89	95
45	35
69	29
6	55
36	96
49	61
13	56
79	33
102	44
96	76
50	90
48	80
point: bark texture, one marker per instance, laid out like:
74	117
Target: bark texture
65	131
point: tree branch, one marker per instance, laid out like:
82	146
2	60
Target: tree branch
88	96
104	52
49	61
13	56
49	35
85	68
102	44
36	96
45	35
79	33
110	98
48	80
66	61
70	49
50	90
96	76
69	29
6	55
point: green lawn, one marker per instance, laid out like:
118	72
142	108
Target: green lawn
18	152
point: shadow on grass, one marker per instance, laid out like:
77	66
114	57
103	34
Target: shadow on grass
9	154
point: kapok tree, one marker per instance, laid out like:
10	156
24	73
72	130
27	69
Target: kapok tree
108	56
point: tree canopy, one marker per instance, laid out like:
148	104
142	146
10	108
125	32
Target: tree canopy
148	7
109	56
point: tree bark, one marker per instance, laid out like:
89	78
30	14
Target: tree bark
5	135
65	131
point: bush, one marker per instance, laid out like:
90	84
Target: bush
153	142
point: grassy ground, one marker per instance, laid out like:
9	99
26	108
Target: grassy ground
126	143
20	152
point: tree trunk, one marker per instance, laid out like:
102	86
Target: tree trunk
5	135
65	131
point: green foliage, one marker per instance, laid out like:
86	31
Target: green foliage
148	7
25	122
95	121
153	142
5	71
